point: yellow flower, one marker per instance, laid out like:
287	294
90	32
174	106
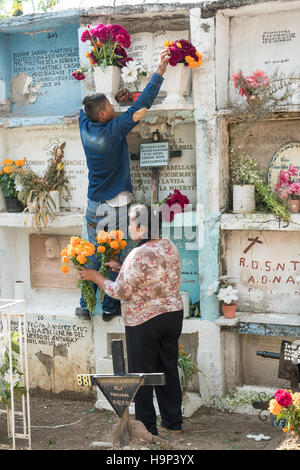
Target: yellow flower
65	259
63	252
274	407
179	45
71	252
296	398
19	163
7	161
123	243
1	172
81	259
87	54
64	268
167	44
59	166
101	249
114	245
8	169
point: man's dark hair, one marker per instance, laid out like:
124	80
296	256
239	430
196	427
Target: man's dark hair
93	104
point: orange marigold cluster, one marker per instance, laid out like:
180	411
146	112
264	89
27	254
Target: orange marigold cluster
113	240
77	251
9	165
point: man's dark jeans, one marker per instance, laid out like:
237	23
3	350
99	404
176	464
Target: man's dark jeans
102	216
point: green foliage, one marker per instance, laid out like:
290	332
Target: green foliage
7	184
188	367
45	5
244	170
267	201
5	385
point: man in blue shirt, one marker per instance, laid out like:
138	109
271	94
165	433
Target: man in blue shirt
103	137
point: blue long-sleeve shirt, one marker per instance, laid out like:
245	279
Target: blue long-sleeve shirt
106	147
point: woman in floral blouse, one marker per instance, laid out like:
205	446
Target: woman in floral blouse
148	287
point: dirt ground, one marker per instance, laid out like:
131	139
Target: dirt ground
76	425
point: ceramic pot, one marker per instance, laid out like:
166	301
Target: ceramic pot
135	95
13	204
107	81
229	310
243	198
176	80
55	196
294	205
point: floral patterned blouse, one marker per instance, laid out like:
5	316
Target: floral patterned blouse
148	282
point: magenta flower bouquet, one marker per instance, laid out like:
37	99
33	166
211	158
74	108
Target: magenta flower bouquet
108	44
285	186
183	51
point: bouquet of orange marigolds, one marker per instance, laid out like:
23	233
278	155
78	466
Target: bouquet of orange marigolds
77	252
110	245
286	405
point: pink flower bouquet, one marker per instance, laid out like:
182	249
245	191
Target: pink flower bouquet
183	51
250	85
107	47
285	186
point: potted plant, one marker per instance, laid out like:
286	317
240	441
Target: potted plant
107	55
286	406
36	192
183	57
133	73
186	368
288	189
8	184
10	378
227	295
244	175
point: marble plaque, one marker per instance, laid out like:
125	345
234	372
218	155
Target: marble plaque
287	155
179	174
45	262
36	143
266	42
266	272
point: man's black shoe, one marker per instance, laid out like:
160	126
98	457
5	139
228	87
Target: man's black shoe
82	313
107	316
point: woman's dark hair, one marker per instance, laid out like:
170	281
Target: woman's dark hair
93	104
148	216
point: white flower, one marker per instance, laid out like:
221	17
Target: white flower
18	187
228	294
130	72
15	378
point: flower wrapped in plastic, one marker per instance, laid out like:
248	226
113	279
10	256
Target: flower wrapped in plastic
107	46
109	246
77	252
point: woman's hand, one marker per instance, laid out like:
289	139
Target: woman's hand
88	274
115	266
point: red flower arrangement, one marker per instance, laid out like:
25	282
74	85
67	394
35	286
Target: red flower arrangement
183	51
176	202
108	43
252	84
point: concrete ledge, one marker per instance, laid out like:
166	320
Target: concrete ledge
265	324
258	221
